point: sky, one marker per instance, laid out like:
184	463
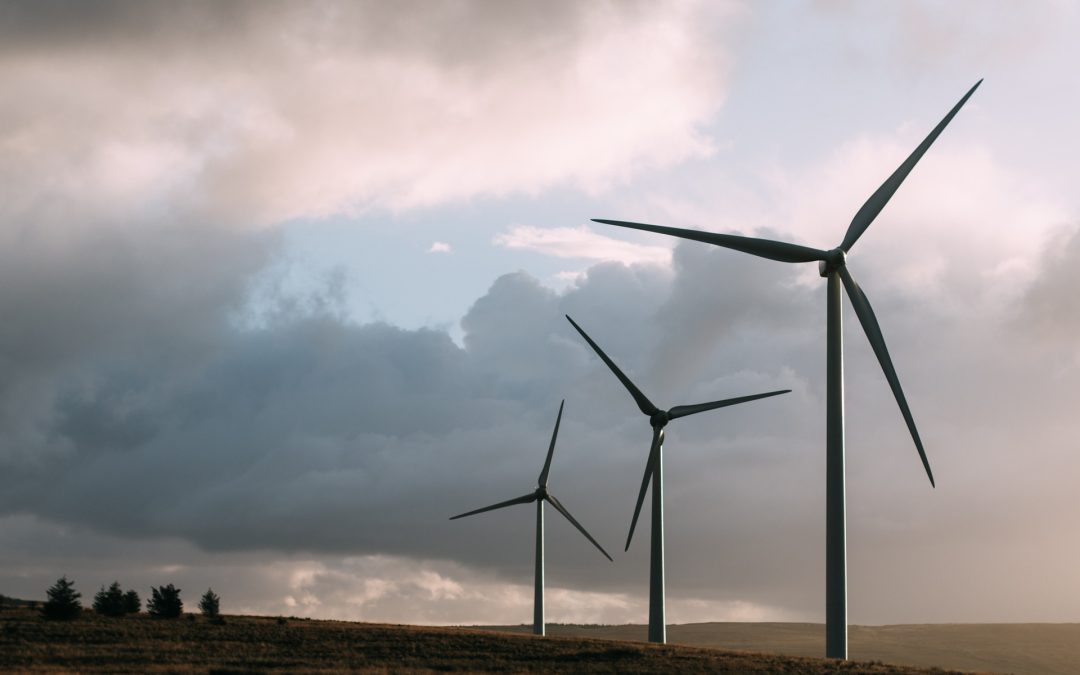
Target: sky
283	287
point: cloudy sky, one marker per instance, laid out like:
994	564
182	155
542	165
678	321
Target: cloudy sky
282	288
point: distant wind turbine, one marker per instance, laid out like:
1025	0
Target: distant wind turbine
833	265
654	469
539	496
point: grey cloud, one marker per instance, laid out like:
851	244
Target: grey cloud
88	312
313	433
1050	308
455	32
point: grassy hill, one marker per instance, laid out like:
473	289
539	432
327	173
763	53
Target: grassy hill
1024	649
259	644
5	601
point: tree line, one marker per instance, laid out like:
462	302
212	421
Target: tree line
63	602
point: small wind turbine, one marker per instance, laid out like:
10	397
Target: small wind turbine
539	495
654	469
833	265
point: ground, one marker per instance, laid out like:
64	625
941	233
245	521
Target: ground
139	643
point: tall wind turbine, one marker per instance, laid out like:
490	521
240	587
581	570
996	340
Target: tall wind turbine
654	469
833	266
539	496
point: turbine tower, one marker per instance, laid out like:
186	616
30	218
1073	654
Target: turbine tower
654	469
833	266
540	495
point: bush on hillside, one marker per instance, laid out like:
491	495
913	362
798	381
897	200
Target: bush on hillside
132	603
165	602
63	603
210	604
110	602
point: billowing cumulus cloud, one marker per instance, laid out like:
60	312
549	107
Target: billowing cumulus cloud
260	114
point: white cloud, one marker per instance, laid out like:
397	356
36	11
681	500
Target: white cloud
581	242
966	229
440	247
308	111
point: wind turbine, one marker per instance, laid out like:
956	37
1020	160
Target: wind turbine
539	496
654	469
833	266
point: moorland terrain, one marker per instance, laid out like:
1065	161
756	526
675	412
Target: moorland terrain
1021	648
139	643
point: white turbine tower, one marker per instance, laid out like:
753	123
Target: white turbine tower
833	265
654	469
540	495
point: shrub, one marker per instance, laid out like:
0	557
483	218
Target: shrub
132	603
165	602
210	604
110	602
63	603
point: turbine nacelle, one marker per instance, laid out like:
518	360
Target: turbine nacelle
659	419
834	260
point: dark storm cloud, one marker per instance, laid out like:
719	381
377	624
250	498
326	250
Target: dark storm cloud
88	310
457	32
313	433
310	433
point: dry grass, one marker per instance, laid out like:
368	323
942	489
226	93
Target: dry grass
1024	649
259	644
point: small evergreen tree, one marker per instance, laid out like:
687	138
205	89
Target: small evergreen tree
63	603
210	604
132	603
110	602
165	602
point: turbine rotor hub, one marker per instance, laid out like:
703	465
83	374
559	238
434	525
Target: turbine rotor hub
659	419
834	260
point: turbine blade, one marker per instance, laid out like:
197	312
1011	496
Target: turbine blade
562	509
764	248
649	465
642	401
524	499
551	448
877	341
881	197
684	410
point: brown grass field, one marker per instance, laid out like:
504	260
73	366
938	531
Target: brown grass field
1024	649
259	644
